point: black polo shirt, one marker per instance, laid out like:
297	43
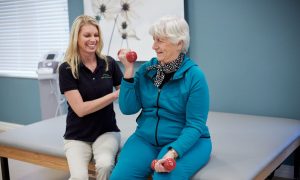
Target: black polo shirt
91	85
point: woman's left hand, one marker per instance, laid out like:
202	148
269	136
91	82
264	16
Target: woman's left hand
159	166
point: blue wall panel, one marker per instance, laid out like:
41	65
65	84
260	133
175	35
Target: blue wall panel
250	52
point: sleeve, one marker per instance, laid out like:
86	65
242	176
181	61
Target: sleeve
66	80
131	80
116	72
129	97
196	115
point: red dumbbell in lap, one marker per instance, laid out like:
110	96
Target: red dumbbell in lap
169	164
131	56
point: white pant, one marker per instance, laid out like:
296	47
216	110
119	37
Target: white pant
104	150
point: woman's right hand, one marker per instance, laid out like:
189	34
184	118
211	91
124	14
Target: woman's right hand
129	67
116	94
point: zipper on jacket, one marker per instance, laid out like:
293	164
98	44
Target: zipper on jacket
158	118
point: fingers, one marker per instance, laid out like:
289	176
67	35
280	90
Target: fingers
122	55
159	166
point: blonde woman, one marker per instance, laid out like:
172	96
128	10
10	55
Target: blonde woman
87	78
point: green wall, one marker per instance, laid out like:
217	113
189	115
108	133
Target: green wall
20	100
75	9
250	52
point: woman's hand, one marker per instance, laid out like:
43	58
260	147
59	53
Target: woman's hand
171	154
122	56
116	94
129	67
160	165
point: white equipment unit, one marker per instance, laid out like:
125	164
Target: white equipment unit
48	66
52	102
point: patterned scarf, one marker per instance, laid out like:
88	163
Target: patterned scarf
163	69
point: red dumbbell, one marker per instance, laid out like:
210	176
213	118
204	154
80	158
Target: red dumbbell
169	164
131	56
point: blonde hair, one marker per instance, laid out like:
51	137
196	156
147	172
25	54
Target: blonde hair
174	28
72	56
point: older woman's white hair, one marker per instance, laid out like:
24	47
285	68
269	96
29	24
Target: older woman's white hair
173	28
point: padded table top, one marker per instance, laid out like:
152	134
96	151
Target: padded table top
242	144
245	144
47	136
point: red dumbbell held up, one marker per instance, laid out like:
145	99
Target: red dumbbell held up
130	56
169	164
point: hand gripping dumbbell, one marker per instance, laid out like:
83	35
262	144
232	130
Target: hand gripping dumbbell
131	56
169	164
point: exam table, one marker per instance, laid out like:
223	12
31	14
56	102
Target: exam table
244	146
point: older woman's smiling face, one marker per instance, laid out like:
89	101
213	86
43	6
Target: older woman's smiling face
166	51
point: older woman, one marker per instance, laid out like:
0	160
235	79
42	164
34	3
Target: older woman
172	94
87	78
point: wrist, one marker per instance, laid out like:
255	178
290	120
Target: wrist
115	95
128	73
174	153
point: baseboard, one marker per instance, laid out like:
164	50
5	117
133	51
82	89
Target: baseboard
285	171
4	126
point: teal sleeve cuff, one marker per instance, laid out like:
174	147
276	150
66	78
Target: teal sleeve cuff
130	80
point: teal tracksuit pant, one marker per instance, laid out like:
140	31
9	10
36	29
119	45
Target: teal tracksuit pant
139	167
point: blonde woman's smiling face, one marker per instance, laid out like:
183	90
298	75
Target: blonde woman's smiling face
166	51
88	39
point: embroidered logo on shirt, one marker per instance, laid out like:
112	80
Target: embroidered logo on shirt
106	76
